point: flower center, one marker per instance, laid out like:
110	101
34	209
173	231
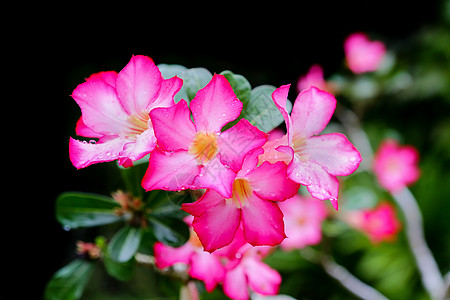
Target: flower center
242	191
298	143
204	146
137	123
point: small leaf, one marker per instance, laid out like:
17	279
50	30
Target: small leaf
194	80
70	281
240	85
119	270
125	243
169	230
171	70
261	111
74	209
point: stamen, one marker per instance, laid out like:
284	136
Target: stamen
242	191
204	147
138	123
298	143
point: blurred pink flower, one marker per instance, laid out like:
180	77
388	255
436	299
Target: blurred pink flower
216	218
363	55
380	223
248	271
314	77
396	166
115	110
201	265
197	154
238	266
314	160
303	221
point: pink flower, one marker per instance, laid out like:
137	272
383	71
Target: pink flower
314	77
115	110
363	55
201	265
197	154
229	265
396	166
380	223
303	222
216	218
246	272
314	161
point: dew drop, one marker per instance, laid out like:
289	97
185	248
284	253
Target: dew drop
108	153
92	142
67	227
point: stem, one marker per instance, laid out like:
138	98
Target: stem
431	276
341	274
349	281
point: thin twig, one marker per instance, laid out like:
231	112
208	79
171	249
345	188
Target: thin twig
349	281
431	276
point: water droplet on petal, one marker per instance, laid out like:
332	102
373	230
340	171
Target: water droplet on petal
92	142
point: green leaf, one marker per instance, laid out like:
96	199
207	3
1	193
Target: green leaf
169	230
125	243
195	79
240	85
171	70
119	270
69	282
261	111
75	209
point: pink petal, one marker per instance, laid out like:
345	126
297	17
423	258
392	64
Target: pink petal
143	145
237	141
138	83
250	162
320	184
216	226
169	87
83	154
262	278
173	126
208	268
272	155
334	153
166	256
216	176
108	77
209	200
235	283
215	105
270	182
279	97
82	130
170	171
101	109
312	111
263	222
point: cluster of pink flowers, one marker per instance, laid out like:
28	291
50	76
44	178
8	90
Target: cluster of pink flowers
238	266
133	114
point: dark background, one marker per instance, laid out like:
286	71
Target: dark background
268	44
